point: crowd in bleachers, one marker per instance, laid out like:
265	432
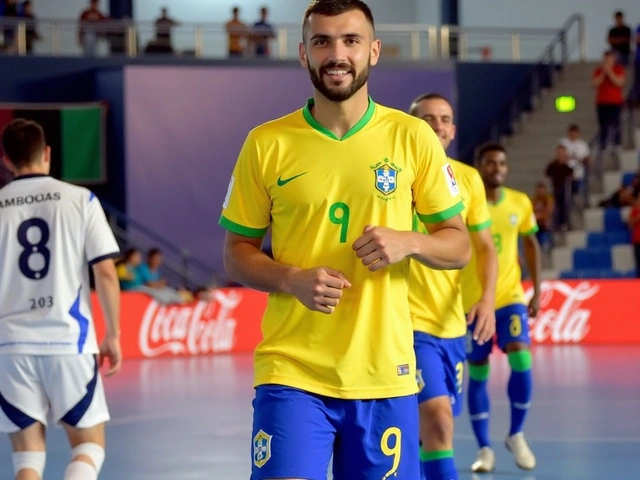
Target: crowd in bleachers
244	39
567	189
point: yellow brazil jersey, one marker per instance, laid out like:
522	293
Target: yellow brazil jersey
435	296
317	193
511	216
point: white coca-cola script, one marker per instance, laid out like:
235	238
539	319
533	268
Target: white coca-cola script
194	329
561	318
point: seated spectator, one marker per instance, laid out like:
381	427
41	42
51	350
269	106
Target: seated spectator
149	272
543	206
128	270
624	196
561	175
154	285
579	154
634	226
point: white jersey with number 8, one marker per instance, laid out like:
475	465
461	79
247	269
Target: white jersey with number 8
50	233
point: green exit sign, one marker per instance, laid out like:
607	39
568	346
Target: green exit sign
565	104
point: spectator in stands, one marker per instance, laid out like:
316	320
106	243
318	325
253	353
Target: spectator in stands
90	31
579	154
9	29
262	34
561	175
237	32
634	226
619	39
32	32
164	25
543	207
128	270
624	196
609	79
149	272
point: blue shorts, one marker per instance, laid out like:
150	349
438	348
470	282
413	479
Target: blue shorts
440	368
295	433
512	325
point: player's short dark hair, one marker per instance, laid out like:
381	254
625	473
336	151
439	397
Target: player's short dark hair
427	96
332	8
619	13
153	252
488	147
23	142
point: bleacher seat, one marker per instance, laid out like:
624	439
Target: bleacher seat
568	275
627	178
623	257
630	274
597	239
619	238
592	258
594	219
613	220
610	274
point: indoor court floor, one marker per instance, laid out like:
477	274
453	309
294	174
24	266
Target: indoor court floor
188	419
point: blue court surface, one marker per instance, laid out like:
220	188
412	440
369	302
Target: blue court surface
188	419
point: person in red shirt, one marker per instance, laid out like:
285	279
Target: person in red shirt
609	78
634	226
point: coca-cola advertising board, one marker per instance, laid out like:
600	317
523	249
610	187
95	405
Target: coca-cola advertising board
590	312
229	322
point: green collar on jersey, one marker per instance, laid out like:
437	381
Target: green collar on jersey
306	112
500	198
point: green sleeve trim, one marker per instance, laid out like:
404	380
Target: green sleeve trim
234	227
520	361
480	226
436	455
479	373
442	216
533	230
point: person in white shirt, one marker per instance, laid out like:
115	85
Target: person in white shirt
50	233
579	158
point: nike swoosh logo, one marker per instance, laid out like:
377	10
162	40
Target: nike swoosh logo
282	183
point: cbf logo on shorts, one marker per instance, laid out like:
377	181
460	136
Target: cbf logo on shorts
261	448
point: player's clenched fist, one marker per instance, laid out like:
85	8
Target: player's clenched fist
319	289
379	247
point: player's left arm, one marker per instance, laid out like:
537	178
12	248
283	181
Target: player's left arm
438	204
445	248
532	255
479	223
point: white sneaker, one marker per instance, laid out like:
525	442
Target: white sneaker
522	454
485	462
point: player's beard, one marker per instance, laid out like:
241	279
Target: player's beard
359	79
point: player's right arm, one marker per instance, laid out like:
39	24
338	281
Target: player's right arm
246	216
317	289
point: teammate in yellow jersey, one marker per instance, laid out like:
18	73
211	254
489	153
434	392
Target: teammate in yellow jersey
337	182
512	217
435	300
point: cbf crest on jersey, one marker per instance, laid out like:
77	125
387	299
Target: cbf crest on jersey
386	173
261	448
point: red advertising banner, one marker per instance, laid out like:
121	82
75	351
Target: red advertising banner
229	322
589	312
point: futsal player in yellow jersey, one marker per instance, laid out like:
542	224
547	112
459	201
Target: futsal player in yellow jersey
512	217
337	181
435	301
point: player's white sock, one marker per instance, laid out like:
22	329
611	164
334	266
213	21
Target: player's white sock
80	471
29	461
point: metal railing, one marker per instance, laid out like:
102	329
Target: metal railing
209	40
180	267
